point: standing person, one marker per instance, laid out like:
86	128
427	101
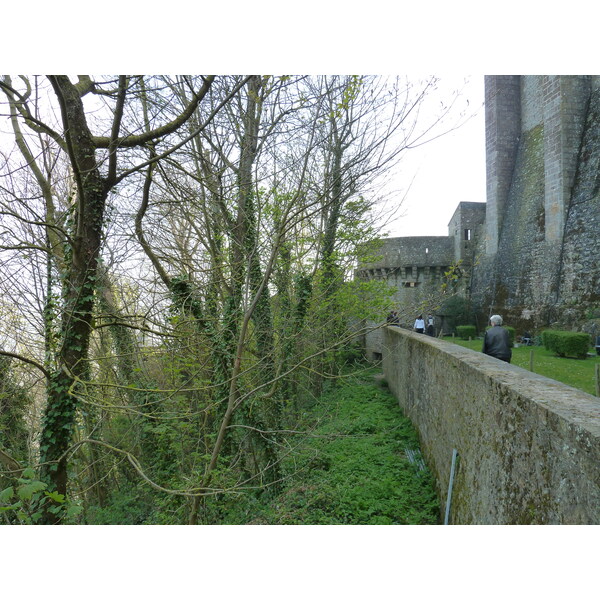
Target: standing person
430	328
496	342
419	326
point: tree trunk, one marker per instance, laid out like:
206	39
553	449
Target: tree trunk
79	289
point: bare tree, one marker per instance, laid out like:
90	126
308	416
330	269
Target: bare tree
190	242
94	163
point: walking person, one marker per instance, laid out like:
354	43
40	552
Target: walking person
430	327
419	326
496	342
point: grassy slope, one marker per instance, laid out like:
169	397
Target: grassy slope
353	469
577	373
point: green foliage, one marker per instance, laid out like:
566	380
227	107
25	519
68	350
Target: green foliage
130	505
352	88
370	251
452	277
457	311
14	403
355	228
358	299
352	469
303	291
567	343
185	297
26	503
350	355
465	332
59	417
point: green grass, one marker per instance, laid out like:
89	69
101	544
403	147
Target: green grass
353	469
578	373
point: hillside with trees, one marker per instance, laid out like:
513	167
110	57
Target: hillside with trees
176	280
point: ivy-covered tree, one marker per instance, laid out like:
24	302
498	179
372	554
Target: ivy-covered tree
94	161
182	251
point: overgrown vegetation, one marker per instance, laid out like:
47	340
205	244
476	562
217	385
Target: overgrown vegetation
177	257
353	468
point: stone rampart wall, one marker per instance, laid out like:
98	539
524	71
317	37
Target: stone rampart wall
415	268
528	446
418	250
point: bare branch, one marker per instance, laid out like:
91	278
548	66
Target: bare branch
29	361
118	116
14	468
154	134
21	105
187	138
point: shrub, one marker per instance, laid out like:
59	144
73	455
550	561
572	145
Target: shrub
511	335
566	343
466	331
352	354
457	311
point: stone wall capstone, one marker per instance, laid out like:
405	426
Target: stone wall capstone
528	446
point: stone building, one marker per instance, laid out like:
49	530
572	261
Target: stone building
531	252
416	267
539	260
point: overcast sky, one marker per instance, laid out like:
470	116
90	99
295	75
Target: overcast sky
451	169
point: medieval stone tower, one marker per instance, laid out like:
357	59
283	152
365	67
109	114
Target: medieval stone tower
531	252
539	261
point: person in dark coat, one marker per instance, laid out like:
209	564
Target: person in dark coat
393	318
496	342
429	330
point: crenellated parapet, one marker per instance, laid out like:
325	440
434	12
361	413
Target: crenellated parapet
413	265
420	263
